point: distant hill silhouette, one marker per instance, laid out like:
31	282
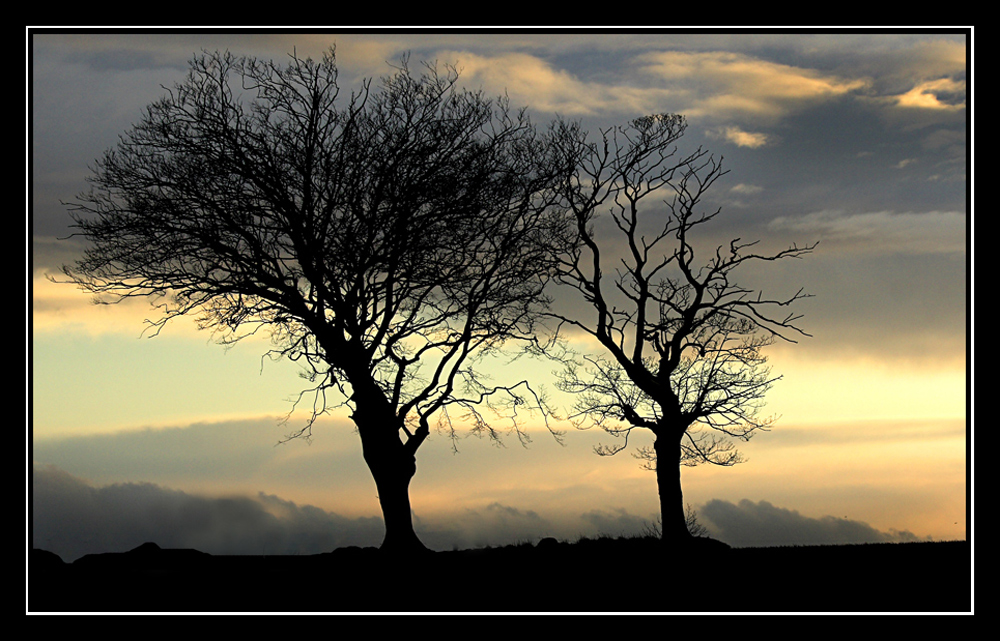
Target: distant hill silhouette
603	575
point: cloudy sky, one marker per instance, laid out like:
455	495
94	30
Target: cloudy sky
856	141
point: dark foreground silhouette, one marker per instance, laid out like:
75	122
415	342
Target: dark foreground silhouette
591	575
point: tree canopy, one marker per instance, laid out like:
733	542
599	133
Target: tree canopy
385	238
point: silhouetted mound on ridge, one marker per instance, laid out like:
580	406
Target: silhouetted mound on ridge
590	575
45	561
146	557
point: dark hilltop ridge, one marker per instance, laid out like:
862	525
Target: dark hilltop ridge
603	575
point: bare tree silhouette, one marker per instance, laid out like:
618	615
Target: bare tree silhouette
387	240
682	341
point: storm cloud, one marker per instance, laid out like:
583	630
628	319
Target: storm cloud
749	524
73	518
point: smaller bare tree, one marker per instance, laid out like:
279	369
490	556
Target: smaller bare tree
682	341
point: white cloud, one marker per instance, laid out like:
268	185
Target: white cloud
746	189
881	232
727	84
533	82
739	137
941	94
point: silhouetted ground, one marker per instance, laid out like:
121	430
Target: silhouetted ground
590	576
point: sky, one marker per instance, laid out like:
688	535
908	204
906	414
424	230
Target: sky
858	141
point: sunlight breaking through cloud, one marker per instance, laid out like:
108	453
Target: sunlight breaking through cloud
944	94
727	84
738	137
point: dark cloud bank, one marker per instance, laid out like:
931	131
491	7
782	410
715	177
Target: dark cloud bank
72	518
749	524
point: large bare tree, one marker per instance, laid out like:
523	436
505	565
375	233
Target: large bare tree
386	239
681	342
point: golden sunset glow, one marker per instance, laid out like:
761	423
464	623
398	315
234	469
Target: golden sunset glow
857	144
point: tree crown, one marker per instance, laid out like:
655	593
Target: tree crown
682	340
385	238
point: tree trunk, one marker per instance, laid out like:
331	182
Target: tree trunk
668	482
392	467
392	481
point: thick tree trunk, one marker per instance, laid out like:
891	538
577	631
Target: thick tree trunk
668	482
392	481
392	466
